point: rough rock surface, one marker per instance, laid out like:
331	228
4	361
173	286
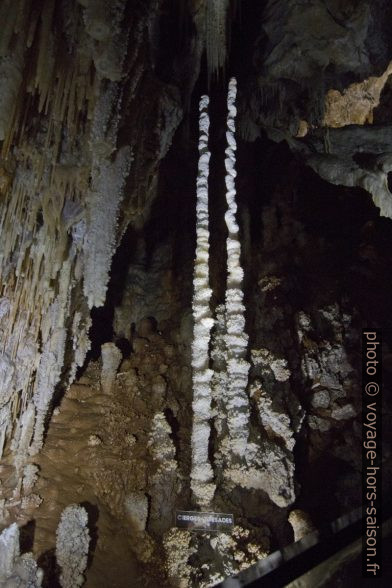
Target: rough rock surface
98	132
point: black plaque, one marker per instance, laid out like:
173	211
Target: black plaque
204	521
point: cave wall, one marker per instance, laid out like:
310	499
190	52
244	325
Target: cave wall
98	123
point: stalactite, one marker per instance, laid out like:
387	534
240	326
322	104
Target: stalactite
59	119
97	19
202	475
236	338
81	343
108	177
103	209
49	369
103	24
33	230
7	369
11	67
217	18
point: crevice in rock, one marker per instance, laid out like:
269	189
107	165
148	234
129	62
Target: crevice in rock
175	428
93	517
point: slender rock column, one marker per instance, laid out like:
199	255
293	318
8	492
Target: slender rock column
237	403
202	484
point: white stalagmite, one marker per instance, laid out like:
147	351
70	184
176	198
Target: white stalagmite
17	570
202	484
237	404
111	359
72	544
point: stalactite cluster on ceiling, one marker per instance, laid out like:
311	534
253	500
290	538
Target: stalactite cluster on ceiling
67	73
51	88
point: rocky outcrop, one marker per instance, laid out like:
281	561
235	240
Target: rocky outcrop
325	65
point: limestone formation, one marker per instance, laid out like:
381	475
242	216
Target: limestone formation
202	474
236	339
138	378
111	359
17	569
72	545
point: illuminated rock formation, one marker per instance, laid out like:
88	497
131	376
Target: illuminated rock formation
202	475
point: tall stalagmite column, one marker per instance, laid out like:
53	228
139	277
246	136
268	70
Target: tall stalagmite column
237	404
202	484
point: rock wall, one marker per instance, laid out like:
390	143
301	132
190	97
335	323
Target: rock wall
98	131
